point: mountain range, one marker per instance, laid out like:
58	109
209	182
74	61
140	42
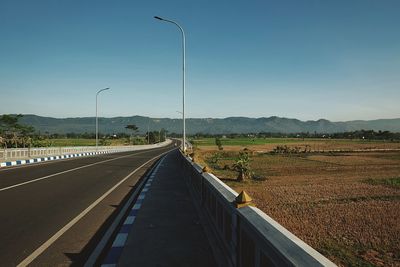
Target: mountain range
206	125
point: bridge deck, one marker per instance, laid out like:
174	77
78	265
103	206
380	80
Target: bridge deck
166	230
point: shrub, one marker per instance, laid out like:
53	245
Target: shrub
218	143
242	166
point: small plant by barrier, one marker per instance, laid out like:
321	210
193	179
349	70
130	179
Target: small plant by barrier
242	166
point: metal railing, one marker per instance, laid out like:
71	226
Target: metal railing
11	154
245	236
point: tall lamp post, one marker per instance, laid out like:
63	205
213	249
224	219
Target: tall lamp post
148	131
97	119
183	78
181	114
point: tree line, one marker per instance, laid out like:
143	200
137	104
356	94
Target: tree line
359	134
15	135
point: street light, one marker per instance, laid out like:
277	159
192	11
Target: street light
181	114
183	77
148	131
97	120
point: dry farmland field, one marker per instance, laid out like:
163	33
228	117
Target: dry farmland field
343	200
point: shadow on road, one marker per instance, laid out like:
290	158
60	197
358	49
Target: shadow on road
79	259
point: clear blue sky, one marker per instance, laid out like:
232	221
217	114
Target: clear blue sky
338	60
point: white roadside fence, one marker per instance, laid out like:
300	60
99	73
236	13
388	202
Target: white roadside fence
18	154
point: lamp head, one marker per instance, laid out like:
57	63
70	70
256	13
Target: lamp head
157	17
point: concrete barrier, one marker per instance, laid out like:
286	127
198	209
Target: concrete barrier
244	236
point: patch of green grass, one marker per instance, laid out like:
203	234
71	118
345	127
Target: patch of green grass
61	142
360	199
392	182
391	156
244	141
248	141
345	255
68	142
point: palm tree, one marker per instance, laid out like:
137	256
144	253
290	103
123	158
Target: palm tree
2	141
15	139
133	128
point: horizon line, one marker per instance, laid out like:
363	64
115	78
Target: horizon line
217	118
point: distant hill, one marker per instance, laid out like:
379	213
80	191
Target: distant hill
207	125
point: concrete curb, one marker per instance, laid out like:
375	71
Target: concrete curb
129	211
118	244
37	160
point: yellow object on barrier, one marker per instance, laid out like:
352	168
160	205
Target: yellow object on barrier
243	199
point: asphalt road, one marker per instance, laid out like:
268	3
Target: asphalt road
37	201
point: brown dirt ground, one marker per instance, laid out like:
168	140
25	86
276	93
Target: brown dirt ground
325	200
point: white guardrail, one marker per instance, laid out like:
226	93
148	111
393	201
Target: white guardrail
245	236
11	154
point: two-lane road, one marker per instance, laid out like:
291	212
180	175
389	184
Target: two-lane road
53	213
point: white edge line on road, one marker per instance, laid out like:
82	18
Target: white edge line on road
57	235
70	170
